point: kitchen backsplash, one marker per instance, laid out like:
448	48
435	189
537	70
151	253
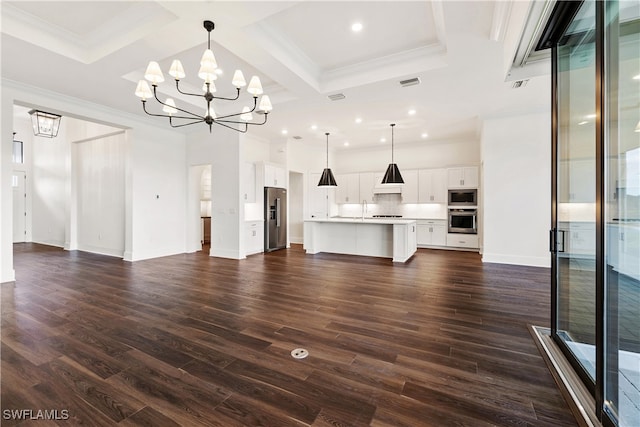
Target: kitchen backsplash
391	204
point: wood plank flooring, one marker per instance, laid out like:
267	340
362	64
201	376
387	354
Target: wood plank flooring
197	341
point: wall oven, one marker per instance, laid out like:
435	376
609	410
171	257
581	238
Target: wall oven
463	197
463	221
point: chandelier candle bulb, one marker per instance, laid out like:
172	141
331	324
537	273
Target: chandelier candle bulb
177	71
255	87
208	67
170	106
154	73
212	87
265	104
143	90
238	79
247	116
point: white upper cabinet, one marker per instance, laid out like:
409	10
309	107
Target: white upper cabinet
410	188
348	189
249	183
463	177
318	197
275	176
367	183
432	186
577	181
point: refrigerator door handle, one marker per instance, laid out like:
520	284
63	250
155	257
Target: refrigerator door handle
277	211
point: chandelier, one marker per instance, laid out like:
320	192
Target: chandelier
179	117
45	124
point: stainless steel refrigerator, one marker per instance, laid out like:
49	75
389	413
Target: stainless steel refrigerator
275	218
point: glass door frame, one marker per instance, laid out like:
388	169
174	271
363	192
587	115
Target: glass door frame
552	37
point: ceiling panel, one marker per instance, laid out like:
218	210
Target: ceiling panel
323	29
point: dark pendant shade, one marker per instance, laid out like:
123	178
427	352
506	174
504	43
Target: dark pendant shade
392	176
327	179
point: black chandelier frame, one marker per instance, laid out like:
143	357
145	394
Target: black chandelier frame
209	97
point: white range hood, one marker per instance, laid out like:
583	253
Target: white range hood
387	189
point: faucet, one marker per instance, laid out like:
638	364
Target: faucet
365	207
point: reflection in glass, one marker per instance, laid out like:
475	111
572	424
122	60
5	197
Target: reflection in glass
622	213
576	192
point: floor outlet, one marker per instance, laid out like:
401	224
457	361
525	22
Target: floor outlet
299	353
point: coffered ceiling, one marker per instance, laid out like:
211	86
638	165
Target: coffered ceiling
303	51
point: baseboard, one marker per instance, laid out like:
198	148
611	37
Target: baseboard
530	261
101	251
225	253
580	401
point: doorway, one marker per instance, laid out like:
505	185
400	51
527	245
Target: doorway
296	206
18	182
199	208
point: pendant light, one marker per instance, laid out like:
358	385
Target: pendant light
392	175
327	179
45	124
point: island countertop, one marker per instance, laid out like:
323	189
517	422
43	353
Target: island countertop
366	220
393	238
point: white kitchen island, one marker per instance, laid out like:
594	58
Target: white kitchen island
388	238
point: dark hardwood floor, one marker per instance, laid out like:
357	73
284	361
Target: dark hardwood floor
192	340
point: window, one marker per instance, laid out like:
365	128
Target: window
18	152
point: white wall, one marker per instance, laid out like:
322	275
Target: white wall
7	273
516	197
154	165
99	166
49	183
158	198
223	150
424	155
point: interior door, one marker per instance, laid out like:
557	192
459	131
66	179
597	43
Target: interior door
19	206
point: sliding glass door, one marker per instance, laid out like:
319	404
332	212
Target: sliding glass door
576	193
596	201
621	131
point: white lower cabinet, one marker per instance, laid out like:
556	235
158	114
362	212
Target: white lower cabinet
432	233
463	240
254	237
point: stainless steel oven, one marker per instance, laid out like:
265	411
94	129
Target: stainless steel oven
463	221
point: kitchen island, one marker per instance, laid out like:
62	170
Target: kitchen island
388	238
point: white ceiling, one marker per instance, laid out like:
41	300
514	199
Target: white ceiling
303	51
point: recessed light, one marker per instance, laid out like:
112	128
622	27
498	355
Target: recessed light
346	143
356	27
412	112
358	120
314	127
584	122
383	139
284	131
424	135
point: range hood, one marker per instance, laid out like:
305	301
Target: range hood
387	189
